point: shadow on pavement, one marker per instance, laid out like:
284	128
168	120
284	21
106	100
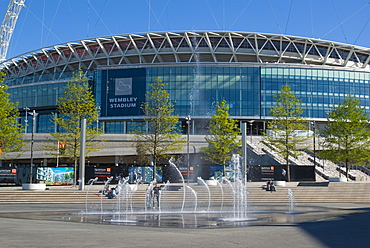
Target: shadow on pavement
352	230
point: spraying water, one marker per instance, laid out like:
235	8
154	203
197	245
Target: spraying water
232	191
240	189
222	193
90	182
234	211
209	193
291	200
106	186
183	182
195	196
148	197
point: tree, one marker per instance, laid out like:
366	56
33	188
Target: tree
283	129
160	136
223	138
77	103
347	133
11	138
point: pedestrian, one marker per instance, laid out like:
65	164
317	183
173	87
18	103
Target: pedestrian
134	177
268	184
283	173
106	189
139	179
149	192
272	186
156	191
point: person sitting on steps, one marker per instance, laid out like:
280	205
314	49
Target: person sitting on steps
112	193
270	186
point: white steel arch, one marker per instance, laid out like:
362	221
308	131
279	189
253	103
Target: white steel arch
8	24
188	47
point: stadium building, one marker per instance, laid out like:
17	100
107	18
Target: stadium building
200	69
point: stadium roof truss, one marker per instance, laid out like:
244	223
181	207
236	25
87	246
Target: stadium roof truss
187	47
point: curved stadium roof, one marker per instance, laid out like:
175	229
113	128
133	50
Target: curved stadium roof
187	47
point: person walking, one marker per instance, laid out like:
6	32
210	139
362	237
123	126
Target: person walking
156	195
283	173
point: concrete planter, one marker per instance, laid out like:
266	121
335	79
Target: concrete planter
33	186
211	182
279	183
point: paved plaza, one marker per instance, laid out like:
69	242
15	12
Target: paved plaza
348	229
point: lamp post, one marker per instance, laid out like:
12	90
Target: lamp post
34	114
188	122
25	121
314	142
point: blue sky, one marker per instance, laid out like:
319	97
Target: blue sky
49	22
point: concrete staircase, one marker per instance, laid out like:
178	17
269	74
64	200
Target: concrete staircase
333	193
350	192
46	197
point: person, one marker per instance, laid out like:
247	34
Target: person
272	186
149	192
268	188
139	179
283	173
106	189
112	193
156	192
134	177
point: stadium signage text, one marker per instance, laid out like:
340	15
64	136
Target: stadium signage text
123	102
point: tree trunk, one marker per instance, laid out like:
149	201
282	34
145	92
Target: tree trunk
155	171
287	152
287	168
154	163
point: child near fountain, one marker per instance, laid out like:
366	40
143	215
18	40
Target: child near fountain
156	193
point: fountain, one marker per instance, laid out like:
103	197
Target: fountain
291	201
239	191
90	182
221	204
194	199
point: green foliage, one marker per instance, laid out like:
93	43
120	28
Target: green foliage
11	138
347	133
77	103
282	130
223	138
161	135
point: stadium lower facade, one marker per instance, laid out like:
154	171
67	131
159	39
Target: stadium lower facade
199	68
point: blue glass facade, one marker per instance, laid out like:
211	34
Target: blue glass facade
194	88
250	91
319	89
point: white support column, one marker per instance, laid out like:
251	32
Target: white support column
243	127
82	155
